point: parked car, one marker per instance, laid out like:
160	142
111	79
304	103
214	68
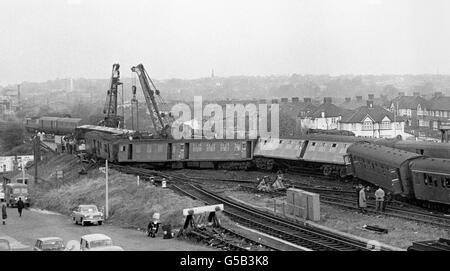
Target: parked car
49	244
84	214
97	242
4	245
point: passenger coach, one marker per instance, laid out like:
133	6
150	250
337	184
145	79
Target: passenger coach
383	166
200	153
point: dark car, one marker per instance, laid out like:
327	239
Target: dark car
49	244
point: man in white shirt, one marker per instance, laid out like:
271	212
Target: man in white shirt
379	197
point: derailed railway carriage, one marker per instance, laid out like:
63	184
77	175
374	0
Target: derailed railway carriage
170	153
383	166
423	180
325	154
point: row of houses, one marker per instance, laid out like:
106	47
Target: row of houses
369	120
405	116
424	117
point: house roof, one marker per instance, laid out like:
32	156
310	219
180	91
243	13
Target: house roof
409	102
440	103
329	109
294	109
376	113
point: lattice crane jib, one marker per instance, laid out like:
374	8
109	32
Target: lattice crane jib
112	119
152	95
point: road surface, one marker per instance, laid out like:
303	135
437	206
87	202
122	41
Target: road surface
22	232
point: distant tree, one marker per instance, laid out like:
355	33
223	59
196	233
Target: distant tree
11	135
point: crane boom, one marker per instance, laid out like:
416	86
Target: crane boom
150	94
110	110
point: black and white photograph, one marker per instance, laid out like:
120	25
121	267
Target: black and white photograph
224	133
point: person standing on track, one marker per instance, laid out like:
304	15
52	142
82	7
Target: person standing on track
4	214
357	189
379	198
362	200
20	206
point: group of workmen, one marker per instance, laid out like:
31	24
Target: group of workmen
381	198
68	145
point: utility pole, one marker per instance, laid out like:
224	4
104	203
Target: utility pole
106	195
36	157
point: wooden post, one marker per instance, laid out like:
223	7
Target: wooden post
284	209
138	180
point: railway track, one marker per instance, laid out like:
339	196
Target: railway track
304	236
226	239
341	198
347	200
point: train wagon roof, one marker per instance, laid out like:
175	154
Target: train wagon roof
431	165
104	129
48	118
382	154
76	120
17	185
426	144
322	137
334	138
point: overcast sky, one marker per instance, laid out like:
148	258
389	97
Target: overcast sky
48	39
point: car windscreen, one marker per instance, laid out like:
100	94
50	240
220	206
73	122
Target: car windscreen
4	245
90	209
100	243
20	190
53	245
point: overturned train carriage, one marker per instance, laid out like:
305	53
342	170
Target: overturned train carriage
170	153
383	166
323	154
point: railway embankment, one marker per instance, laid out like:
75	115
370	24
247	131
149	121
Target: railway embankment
130	204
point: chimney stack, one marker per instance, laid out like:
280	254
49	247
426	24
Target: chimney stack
284	100
371	96
348	99
307	100
416	94
358	98
327	100
295	99
370	104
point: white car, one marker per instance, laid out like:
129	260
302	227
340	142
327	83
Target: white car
97	242
87	214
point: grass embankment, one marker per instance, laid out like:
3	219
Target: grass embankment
130	205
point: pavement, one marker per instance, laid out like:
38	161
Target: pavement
22	233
